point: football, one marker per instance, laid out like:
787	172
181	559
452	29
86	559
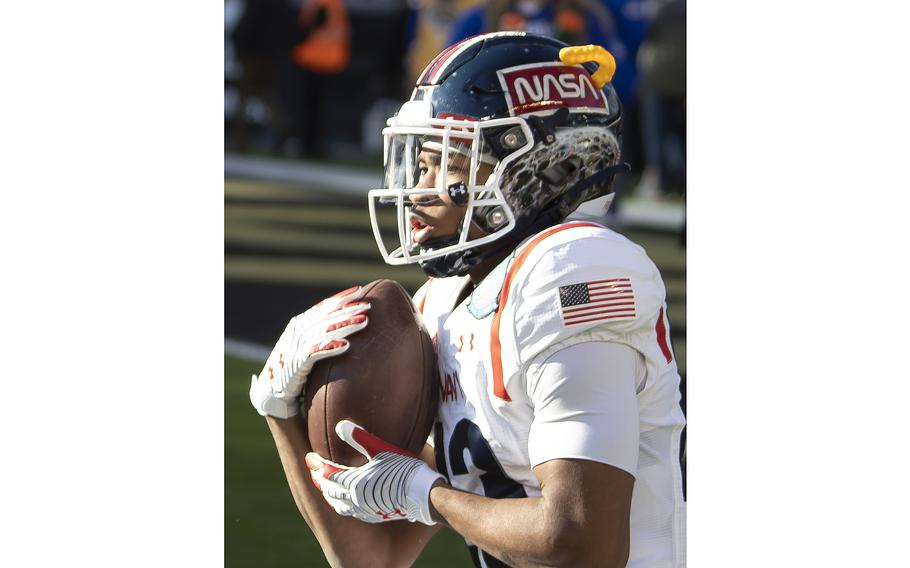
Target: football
387	381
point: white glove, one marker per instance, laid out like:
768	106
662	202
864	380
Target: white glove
309	337
392	485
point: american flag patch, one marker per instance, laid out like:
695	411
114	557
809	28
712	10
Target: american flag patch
596	301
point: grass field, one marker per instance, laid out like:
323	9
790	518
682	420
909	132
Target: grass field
287	247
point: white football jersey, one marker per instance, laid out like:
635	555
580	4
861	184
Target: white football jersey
573	283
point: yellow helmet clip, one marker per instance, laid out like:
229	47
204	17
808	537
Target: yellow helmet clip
606	65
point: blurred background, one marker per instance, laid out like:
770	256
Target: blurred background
308	85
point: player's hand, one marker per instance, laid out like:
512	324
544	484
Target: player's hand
311	336
392	485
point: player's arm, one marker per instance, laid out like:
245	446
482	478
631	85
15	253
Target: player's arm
581	518
345	541
275	393
583	445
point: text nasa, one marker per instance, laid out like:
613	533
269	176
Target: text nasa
569	86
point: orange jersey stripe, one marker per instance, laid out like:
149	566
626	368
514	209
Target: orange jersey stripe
499	388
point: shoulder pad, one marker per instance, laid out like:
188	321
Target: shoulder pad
587	280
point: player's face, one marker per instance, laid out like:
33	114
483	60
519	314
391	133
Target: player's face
437	216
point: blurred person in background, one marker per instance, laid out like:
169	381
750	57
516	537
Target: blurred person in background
347	71
662	67
631	25
429	27
324	50
629	17
379	42
262	40
284	50
308	72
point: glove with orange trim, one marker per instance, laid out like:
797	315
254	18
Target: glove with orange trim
309	337
393	485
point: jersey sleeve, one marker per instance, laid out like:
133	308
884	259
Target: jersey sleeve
585	405
603	288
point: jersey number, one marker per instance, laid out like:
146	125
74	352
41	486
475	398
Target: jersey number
496	484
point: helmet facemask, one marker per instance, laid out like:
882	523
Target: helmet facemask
459	148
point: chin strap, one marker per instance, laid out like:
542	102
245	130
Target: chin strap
456	263
459	263
570	200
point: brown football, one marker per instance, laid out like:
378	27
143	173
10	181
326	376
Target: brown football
386	382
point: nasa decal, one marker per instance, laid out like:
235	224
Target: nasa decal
545	86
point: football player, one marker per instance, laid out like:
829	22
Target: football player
557	441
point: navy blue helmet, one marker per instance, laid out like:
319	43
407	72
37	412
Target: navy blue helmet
530	125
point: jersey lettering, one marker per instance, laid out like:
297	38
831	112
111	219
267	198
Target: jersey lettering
449	387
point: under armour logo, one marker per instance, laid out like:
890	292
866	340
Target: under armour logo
396	513
458	191
461	343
